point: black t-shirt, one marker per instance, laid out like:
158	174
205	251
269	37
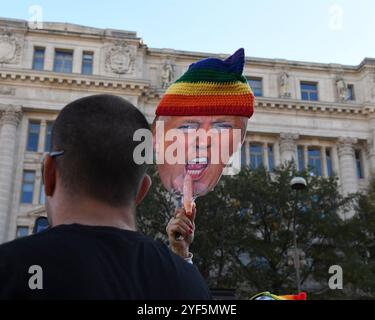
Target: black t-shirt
84	262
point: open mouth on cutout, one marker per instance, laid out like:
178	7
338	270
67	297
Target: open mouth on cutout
196	168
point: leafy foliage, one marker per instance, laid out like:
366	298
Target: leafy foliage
245	231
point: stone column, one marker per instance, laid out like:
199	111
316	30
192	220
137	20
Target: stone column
37	186
371	145
10	119
323	151
349	180
335	161
96	64
288	147
42	135
365	163
306	156
49	57
276	154
77	61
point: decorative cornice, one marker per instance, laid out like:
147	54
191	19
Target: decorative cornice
74	80
144	86
315	107
152	93
274	63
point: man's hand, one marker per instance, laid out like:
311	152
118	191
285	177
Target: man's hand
183	224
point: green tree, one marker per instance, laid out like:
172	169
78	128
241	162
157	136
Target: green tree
360	262
244	231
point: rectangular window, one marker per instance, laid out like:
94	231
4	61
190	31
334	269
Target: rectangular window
309	91
315	161
47	140
28	187
256	155
22	232
33	136
63	61
358	161
257	86
351	95
329	162
87	62
301	158
38	59
270	158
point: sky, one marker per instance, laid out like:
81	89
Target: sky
329	31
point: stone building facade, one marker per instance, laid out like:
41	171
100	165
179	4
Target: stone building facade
321	115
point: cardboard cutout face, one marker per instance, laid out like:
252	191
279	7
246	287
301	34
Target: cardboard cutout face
193	151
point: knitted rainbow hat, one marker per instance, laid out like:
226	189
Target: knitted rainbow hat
210	87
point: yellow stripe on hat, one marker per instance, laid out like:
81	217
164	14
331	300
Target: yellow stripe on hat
204	88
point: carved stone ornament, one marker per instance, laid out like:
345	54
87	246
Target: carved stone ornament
10	48
342	89
167	74
346	146
11	115
284	85
120	58
288	141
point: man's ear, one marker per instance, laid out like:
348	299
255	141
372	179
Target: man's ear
143	189
49	176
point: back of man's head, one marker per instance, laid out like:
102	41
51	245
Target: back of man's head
96	135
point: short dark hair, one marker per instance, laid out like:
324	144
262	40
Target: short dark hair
96	134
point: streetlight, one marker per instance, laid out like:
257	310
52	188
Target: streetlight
297	184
